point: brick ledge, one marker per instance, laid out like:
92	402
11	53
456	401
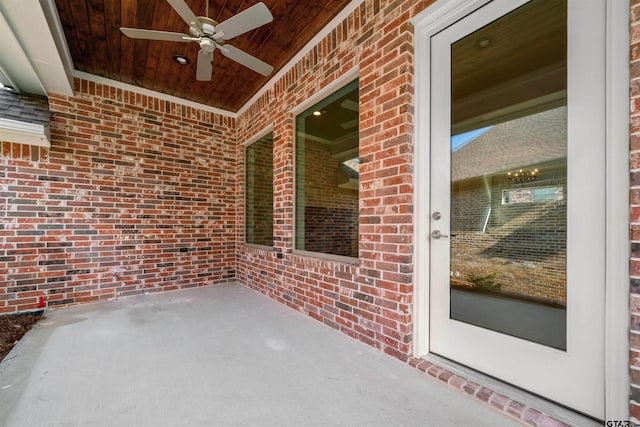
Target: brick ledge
496	401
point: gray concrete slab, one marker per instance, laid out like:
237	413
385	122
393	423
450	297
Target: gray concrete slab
214	356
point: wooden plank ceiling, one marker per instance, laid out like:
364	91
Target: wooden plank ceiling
92	30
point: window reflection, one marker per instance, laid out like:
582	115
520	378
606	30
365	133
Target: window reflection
509	175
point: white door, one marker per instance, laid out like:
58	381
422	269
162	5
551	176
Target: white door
517	196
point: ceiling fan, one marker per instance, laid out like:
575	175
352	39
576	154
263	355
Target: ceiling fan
211	36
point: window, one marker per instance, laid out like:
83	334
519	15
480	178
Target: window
259	192
327	175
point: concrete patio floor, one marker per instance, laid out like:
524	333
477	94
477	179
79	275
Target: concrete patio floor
214	356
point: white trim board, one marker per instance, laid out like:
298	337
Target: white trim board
50	11
434	19
617	380
147	92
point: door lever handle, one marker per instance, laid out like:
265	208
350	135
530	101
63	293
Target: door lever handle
437	235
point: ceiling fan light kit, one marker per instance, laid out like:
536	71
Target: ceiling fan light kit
211	36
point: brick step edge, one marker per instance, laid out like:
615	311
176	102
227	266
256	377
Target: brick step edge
512	408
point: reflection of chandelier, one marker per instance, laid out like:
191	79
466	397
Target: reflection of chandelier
522	175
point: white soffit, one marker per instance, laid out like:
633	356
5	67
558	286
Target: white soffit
5	80
48	67
14	64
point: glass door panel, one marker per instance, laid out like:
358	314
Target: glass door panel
517	223
509	175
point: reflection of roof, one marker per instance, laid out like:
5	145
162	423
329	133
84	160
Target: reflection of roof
525	141
460	140
24	108
351	167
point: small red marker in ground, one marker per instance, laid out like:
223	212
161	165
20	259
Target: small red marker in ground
40	302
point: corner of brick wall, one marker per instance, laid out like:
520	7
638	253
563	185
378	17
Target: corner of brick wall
136	194
371	300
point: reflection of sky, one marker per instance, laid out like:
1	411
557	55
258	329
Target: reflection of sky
460	140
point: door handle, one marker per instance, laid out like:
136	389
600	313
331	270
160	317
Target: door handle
437	235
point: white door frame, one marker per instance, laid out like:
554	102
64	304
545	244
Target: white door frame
440	15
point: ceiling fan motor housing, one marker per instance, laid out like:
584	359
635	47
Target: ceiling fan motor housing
207	44
208	25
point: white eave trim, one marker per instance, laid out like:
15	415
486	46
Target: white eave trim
24	133
152	93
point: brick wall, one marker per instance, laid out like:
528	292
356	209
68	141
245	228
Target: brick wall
634	165
372	299
135	195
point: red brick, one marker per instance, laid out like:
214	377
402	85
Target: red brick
634	411
498	401
457	382
80	184
532	417
515	409
471	388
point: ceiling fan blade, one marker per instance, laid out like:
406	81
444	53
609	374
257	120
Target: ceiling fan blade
205	66
247	20
136	33
186	14
245	59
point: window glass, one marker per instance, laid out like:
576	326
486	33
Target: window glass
327	175
508	202
259	192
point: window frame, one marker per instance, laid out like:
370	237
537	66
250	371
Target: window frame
248	143
317	97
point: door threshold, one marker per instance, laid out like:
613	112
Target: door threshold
529	400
